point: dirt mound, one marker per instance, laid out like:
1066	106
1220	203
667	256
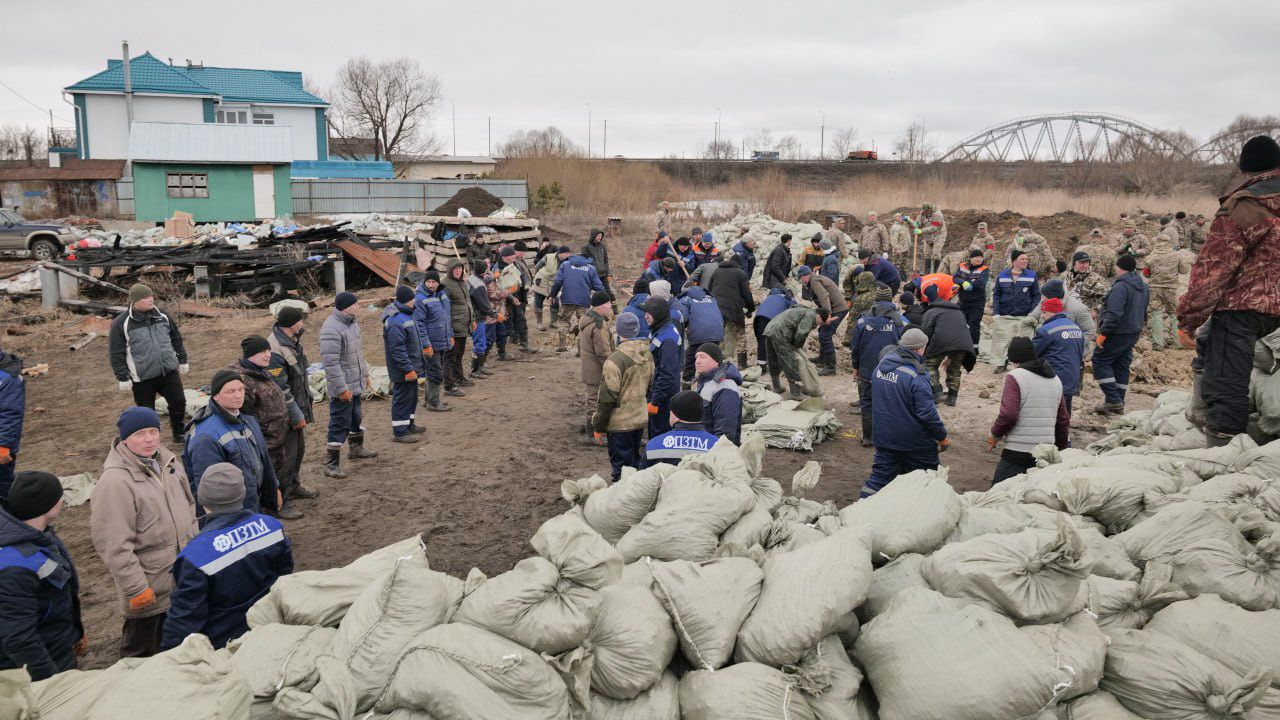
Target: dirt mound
477	200
820	217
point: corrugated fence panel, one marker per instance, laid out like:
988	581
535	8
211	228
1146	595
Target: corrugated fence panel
335	196
124	197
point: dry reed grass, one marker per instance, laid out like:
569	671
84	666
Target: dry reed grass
595	188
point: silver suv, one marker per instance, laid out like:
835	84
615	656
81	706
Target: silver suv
45	241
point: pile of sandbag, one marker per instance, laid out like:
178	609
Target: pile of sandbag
795	424
1135	583
767	232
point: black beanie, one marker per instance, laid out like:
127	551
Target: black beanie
1021	350
1016	254
431	275
344	300
687	406
404	294
33	494
976	253
289	316
253	345
1054	289
1127	263
599	297
220	378
907	298
641	286
1259	154
712	351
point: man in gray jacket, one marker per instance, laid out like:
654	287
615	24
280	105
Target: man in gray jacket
147	356
346	376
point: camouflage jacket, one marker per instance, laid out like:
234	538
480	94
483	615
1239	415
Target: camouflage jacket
663	221
1176	233
859	290
1139	245
934	227
622	404
985	242
1039	255
899	238
1238	267
1164	265
875	238
1090	287
839	239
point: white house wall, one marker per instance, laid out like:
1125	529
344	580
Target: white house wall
109	123
303	122
430	171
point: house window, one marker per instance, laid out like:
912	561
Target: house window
187	185
264	118
233	117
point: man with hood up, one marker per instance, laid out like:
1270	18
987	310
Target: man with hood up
667	347
597	251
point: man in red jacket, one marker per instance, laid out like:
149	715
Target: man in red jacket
1234	287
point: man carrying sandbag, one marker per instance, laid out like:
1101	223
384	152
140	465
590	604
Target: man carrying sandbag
1033	412
687	436
228	567
908	434
1234	283
785	336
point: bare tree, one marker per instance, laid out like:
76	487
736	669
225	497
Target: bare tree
723	149
391	102
788	147
1226	143
19	142
547	142
842	141
915	145
762	141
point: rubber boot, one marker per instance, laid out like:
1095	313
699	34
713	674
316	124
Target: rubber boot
331	468
433	402
793	388
503	356
541	317
866	431
777	384
742	359
524	344
1107	408
355	447
477	366
407	439
454	392
288	512
827	365
302	492
560	343
951	397
416	429
465	381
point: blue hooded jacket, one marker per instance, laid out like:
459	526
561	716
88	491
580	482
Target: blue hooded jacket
221	573
877	329
1015	296
977	279
778	301
400	342
577	278
1060	342
667	348
904	417
831	266
721	392
39	600
431	314
13	405
635	306
1125	309
886	272
701	317
748	258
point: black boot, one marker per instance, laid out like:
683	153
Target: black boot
827	365
288	512
355	447
777	384
794	389
951	397
432	401
416	429
301	492
453	392
742	359
502	355
331	468
524	343
866	430
477	367
410	438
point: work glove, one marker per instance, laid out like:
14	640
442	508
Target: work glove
943	444
1186	340
184	368
429	351
143	599
6	457
1146	272
344	396
81	647
300	424
966	285
124	385
1101	339
411	376
653	409
992	441
599	438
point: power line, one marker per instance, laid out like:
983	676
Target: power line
24	99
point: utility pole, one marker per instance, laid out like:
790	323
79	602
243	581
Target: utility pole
490	143
605	152
453	112
588	131
822	135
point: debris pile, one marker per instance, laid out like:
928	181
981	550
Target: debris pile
477	201
767	231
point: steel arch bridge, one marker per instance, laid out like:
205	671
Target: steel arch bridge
1225	146
1064	137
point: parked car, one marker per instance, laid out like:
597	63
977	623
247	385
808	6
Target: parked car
45	241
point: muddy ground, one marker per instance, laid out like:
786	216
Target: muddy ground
489	475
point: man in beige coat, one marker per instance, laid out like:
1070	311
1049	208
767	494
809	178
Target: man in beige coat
595	345
141	515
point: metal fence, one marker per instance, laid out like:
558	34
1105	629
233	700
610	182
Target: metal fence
124	197
329	197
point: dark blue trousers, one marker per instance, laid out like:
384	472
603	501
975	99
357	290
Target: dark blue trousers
404	404
889	464
1111	365
826	333
660	421
624	450
6	478
435	368
345	419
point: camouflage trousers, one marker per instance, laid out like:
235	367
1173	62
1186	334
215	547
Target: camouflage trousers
1162	324
955	366
569	317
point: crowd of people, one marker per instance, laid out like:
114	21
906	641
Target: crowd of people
192	540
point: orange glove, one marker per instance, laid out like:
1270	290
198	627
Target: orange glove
1186	340
142	599
653	409
943	444
5	456
82	646
429	351
1101	339
300	424
411	376
502	317
344	396
599	438
991	443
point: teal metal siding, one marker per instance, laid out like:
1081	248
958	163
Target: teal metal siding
322	136
82	126
210	110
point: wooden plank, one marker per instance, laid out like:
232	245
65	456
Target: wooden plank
476	221
383	264
197	309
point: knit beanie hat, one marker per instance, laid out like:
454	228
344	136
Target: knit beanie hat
404	294
658	308
33	494
931	293
344	300
431	275
1259	154
221	488
660	289
883	292
1052	305
668	263
253	345
640	287
1016	254
599	298
221	378
479	267
289	316
1021	350
139	292
713	351
687	406
817	238
913	339
507	251
1024	223
1127	263
1054	289
907	298
627	326
563	250
803	271
136	418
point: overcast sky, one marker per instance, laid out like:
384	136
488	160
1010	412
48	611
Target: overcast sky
658	70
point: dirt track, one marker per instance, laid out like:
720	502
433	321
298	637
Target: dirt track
489	476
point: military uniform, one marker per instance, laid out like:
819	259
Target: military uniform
951	261
663	221
985	242
933	234
839	239
1164	265
1195	237
1176	233
1103	256
1039	255
899	244
1089	286
1139	246
875	238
